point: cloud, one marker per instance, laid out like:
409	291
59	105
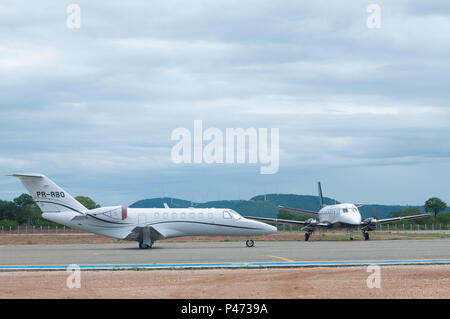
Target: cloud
102	100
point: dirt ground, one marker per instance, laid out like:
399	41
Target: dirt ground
419	281
87	238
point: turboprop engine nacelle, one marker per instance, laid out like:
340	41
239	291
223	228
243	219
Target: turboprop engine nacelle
370	223
113	212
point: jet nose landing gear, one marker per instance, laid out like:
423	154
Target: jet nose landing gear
250	243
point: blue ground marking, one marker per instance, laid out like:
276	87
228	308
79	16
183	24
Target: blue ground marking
230	265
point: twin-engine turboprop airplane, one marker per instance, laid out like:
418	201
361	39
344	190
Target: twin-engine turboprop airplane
144	225
334	216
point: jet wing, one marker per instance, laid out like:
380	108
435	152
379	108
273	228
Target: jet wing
277	221
396	219
287	221
296	210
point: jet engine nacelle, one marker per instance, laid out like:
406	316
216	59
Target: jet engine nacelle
113	212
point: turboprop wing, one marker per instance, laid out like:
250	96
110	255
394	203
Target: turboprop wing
296	210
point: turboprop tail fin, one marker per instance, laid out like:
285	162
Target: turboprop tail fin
321	196
48	196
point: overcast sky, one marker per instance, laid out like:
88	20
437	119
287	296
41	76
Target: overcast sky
364	110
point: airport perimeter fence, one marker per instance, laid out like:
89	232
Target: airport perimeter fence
382	228
25	229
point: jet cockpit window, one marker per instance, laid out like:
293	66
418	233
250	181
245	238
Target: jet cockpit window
235	215
226	215
344	210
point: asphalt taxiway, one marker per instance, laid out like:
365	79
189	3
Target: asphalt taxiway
224	254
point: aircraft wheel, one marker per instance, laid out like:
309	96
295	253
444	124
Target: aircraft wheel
250	243
306	236
144	246
366	236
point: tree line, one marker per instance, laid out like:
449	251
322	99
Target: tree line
23	210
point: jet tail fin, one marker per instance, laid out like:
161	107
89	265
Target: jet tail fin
48	196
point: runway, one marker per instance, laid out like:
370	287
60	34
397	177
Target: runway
224	254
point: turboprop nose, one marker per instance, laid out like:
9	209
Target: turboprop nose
353	219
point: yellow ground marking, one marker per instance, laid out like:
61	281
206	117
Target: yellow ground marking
283	259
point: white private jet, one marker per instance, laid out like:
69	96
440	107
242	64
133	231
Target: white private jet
144	225
345	216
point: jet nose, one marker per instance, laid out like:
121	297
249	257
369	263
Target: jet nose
266	228
271	229
262	228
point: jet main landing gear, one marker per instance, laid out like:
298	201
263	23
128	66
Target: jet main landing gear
145	246
250	243
146	241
